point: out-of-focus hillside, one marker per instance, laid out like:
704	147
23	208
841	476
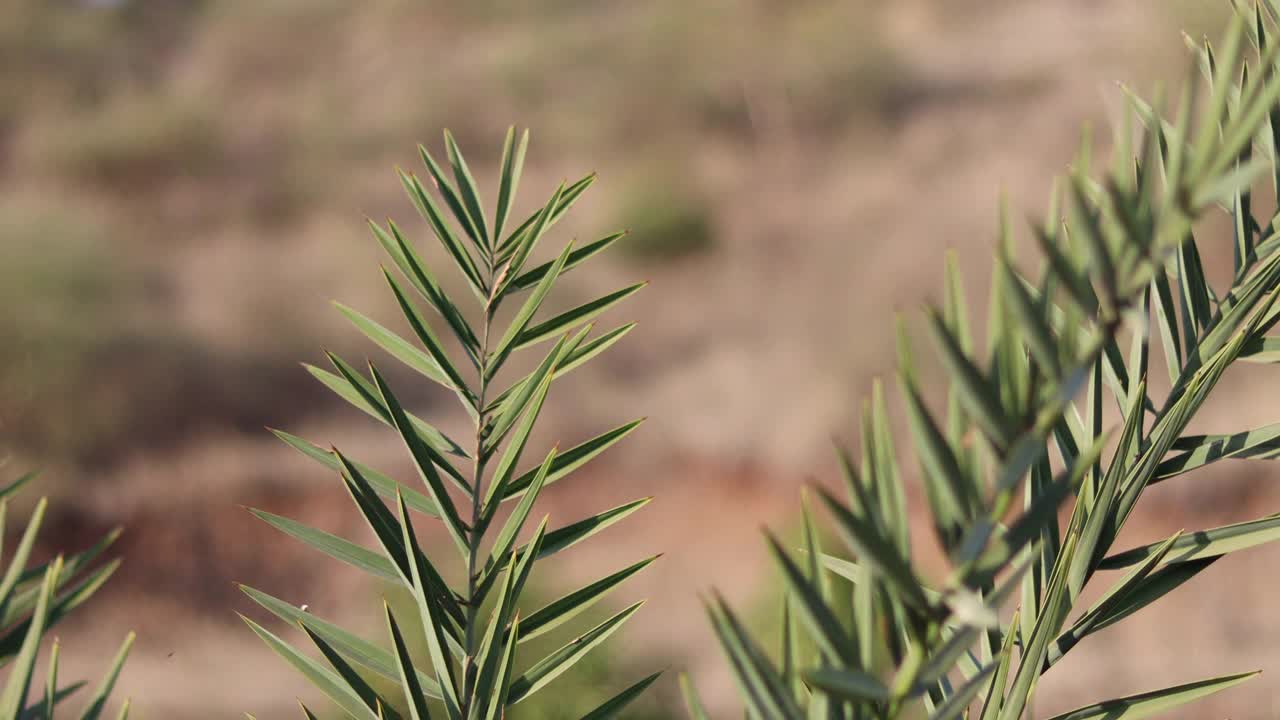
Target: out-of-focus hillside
182	191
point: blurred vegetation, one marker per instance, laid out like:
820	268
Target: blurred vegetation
71	301
91	367
664	224
134	144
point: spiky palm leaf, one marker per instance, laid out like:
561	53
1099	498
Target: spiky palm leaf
1120	261
35	598
472	632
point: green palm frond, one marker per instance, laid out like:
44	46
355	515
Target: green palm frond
474	630
1022	437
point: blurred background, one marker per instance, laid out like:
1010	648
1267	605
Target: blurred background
183	188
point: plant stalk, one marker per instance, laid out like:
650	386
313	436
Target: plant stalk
477	487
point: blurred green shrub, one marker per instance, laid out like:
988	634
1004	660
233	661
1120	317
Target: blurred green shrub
83	51
58	275
90	366
66	298
666	224
134	143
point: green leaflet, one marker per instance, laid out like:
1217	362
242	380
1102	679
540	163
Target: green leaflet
415	269
16	485
510	338
973	390
1156	585
51	684
71	582
385	486
1204	543
535	386
426	336
474	215
572	459
407	558
75	595
325	680
97	704
354	681
498	704
531	277
580	353
1261	350
949	489
1147	704
566	608
432	614
507	536
692	702
362	652
555	664
396	346
563	201
849	684
1135	590
574	533
570	319
335	547
1200	450
1046	627
822	623
18	683
877	551
18	563
958	701
614	705
514	261
762	687
410	681
506	468
856	575
478	684
353	387
512	165
423	460
994	701
427	208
